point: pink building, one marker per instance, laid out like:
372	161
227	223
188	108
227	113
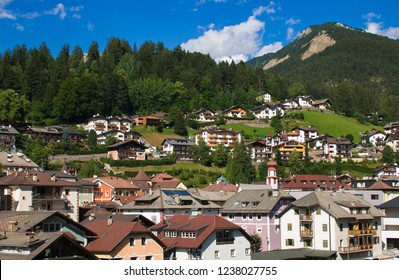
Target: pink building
255	209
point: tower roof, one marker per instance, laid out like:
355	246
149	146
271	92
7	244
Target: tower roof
141	176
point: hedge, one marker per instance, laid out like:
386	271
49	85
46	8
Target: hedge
138	163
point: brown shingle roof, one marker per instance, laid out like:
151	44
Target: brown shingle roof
141	176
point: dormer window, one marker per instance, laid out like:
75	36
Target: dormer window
244	204
187	234
255	204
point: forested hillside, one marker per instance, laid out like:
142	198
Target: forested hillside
356	70
124	79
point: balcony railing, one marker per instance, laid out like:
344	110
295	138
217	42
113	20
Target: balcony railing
305	218
306	233
363	232
46	197
227	240
358	248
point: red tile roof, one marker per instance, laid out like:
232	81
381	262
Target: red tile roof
380	186
204	225
115	182
164	177
112	235
311	182
141	176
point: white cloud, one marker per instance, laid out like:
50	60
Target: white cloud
58	10
269	9
271	48
77	16
90	26
290	33
244	38
371	16
5	14
19	27
238	42
292	21
378	28
31	15
76	8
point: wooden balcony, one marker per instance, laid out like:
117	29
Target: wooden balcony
306	233
352	249
362	232
305	217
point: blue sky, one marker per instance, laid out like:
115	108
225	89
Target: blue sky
225	29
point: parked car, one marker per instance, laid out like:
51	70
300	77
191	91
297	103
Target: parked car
372	258
396	258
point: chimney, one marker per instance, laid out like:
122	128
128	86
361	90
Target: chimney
53	177
92	216
34	178
109	220
12	226
150	192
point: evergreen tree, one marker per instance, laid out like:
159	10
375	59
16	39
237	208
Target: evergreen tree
220	156
239	168
92	139
388	155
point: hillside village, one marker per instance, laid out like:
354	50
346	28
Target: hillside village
56	214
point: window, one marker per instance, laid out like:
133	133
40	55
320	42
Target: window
143	241
247	251
233	252
148	258
66	191
289	242
231	217
250	216
374	196
324	227
217	254
259	228
318	212
289	227
51	227
296	211
341	227
244	216
325	243
131	241
259	216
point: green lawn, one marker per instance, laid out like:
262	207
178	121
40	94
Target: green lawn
178	165
257	132
336	125
151	134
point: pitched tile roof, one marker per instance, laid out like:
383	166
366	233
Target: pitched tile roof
221	187
164	177
141	176
112	235
204	225
26	178
115	182
254	201
331	202
311	182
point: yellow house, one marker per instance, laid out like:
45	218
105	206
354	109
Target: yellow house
286	148
123	240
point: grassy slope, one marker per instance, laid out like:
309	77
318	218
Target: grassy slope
336	125
249	130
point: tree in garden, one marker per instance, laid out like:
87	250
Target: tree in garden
388	155
256	246
295	163
220	156
13	107
92	139
202	154
239	168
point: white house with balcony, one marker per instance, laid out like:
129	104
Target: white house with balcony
333	221
390	224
